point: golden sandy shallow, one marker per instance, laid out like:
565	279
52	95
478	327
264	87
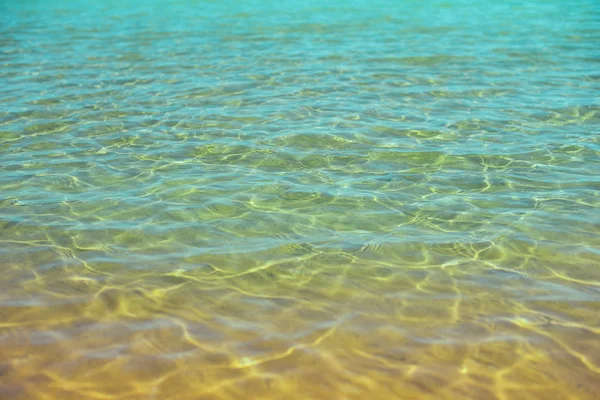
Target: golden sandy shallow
299	200
314	326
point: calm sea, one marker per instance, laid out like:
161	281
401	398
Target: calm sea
300	200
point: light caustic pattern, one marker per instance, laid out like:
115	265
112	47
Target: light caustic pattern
285	200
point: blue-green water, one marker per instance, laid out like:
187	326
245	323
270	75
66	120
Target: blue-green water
299	200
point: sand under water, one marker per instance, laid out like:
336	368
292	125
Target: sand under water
299	200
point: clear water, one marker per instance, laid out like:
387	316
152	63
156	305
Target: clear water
300	200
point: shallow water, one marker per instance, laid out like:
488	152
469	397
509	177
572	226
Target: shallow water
300	200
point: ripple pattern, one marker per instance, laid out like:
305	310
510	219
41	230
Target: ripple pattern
299	200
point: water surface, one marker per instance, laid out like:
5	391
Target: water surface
299	200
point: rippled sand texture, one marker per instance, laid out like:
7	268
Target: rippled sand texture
299	200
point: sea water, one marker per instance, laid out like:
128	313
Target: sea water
300	199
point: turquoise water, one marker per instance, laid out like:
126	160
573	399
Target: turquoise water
299	200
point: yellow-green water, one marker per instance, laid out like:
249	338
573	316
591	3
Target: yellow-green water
299	200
